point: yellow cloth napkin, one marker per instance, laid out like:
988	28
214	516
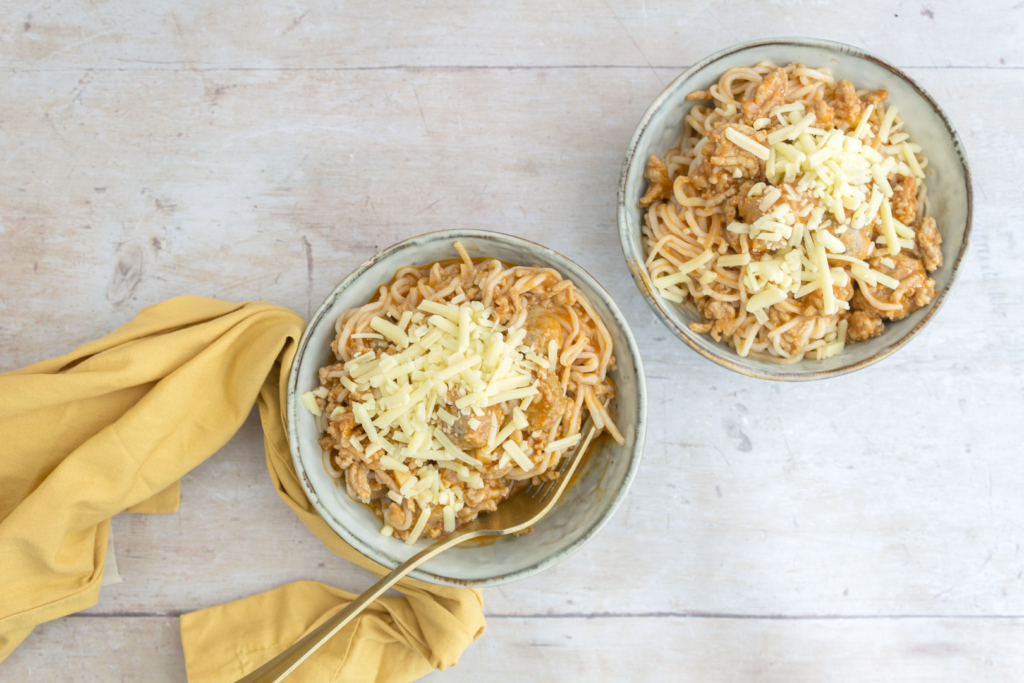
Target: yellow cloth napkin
115	424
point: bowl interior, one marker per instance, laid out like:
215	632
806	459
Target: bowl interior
586	505
947	176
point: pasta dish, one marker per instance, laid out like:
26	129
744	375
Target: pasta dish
792	216
460	382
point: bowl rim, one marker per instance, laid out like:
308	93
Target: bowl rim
640	418
639	273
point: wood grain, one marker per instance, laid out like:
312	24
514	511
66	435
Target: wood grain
322	35
645	649
824	531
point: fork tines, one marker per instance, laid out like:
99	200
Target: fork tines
546	487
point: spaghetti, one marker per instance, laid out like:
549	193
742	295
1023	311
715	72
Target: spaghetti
458	383
792	215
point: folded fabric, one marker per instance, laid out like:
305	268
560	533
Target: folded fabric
115	424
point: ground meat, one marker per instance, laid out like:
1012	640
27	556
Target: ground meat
714	177
925	294
485	499
724	155
542	327
357	480
701	328
756	248
904	199
858	242
502	309
928	241
846	104
357	347
824	115
359	396
342	428
719	197
769	93
339	435
464	435
742	206
792	339
659	184
435	523
915	290
814	303
324	371
875	97
698	95
332	395
863	326
385	480
490	491
723	315
398	518
344	458
547	408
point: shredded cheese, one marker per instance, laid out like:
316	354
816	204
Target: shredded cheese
769	297
889	228
309	401
562	444
743	142
391	331
886	125
733	260
453	362
688	267
421	523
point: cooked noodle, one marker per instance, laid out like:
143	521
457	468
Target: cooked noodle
713	197
564	344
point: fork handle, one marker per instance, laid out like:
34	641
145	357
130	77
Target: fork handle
278	668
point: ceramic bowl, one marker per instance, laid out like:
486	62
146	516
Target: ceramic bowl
586	505
948	176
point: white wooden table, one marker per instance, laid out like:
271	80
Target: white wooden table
864	528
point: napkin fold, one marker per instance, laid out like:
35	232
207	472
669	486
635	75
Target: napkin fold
115	424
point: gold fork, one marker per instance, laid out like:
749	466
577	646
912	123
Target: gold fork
518	513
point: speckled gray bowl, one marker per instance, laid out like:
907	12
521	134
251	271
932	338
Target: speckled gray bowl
599	488
948	178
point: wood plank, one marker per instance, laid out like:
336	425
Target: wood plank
269	35
870	523
767	651
216	183
755	503
80	650
98	650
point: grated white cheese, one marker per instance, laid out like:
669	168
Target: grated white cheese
517	454
733	260
404	397
864	127
562	444
309	401
889	229
886	125
390	331
688	267
768	297
744	142
421	523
